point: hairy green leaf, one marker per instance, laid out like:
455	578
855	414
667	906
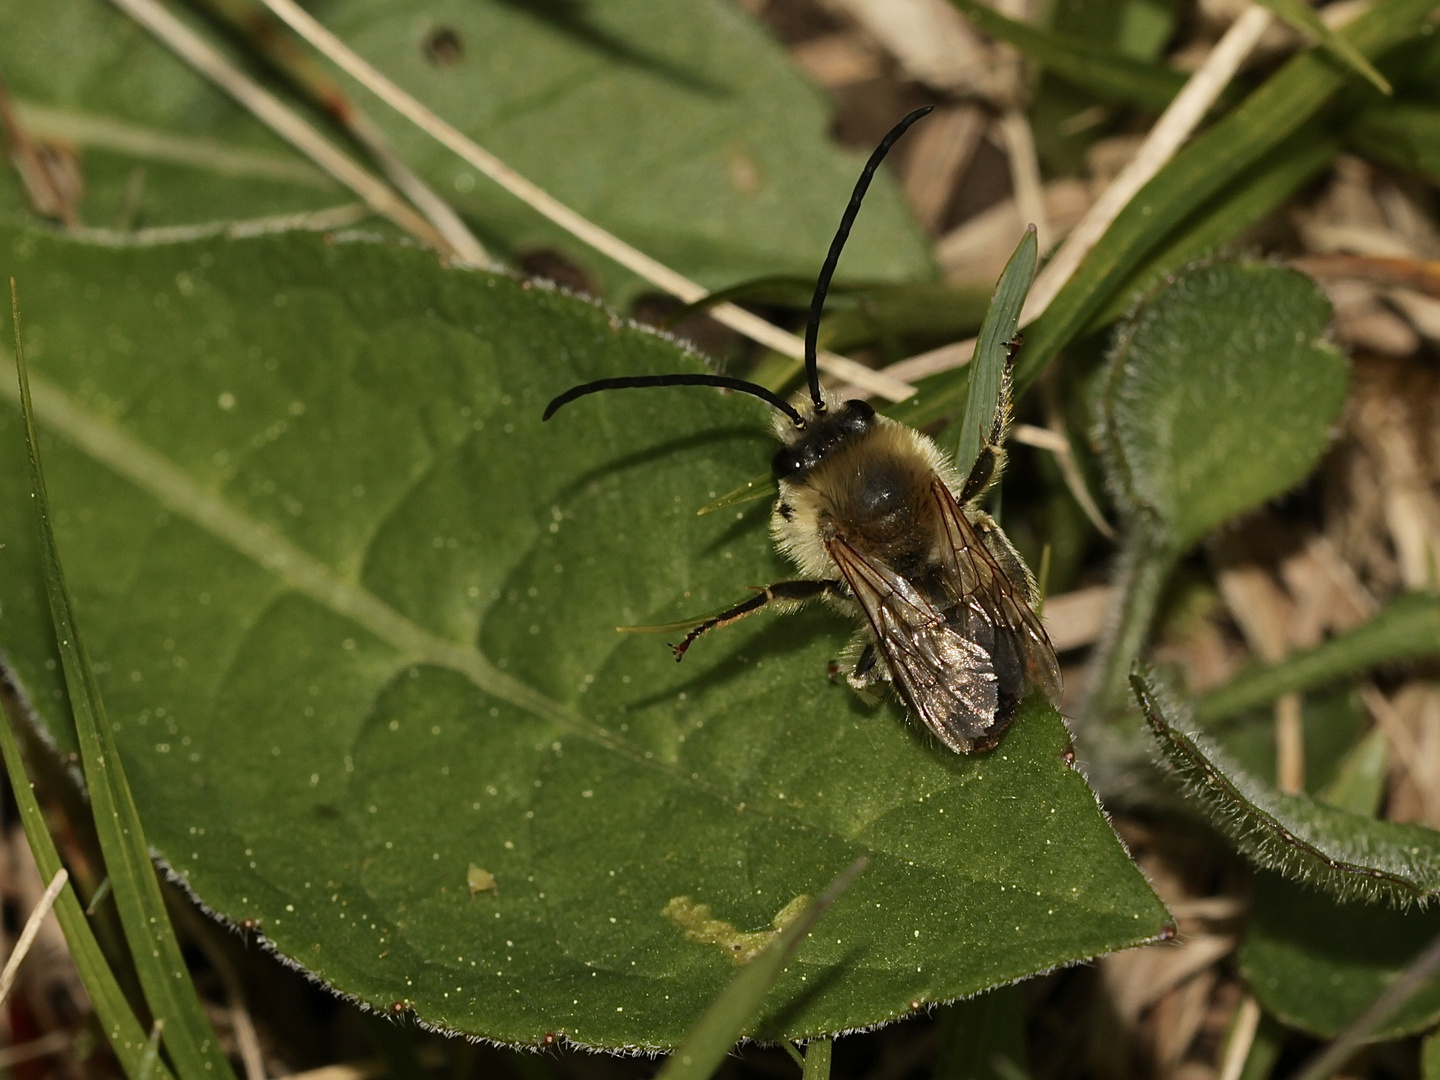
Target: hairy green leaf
1219	395
681	127
1347	855
1317	964
1405	629
353	605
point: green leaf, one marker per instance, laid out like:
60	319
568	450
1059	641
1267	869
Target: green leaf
1335	724
1404	134
1316	965
313	522
681	127
983	1038
158	962
990	365
1109	75
1347	855
734	1011
1303	18
1204	168
1407	628
1359	785
1219	395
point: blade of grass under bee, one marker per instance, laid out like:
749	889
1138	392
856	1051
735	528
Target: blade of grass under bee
1203	168
989	367
1302	17
713	1036
171	995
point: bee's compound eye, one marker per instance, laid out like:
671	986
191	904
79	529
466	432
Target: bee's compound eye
858	414
787	461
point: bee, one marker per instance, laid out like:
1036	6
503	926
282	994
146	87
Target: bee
880	525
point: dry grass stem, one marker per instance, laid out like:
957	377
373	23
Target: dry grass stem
659	275
1013	128
1075	618
49	174
1056	441
196	52
978	249
56	1042
287	55
32	928
939	153
929	39
1242	1037
1172	129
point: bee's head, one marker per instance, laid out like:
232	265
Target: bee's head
803	447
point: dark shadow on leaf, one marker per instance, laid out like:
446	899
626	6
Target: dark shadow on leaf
787	634
771	1027
656	453
572	19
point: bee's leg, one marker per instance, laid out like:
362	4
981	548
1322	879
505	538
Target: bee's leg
991	460
788	594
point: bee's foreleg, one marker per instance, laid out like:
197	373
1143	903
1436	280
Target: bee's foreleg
787	594
991	460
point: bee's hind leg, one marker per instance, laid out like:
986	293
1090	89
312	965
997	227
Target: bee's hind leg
789	595
866	675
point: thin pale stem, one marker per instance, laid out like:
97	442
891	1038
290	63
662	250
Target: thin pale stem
200	55
32	929
653	271
1175	125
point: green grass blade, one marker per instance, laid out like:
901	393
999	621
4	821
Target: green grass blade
989	366
1406	629
1203	169
168	990
713	1036
1256	195
112	1009
1302	17
1108	75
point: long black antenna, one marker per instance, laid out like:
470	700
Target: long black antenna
827	271
632	381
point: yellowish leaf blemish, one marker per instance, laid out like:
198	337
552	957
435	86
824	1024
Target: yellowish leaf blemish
742	946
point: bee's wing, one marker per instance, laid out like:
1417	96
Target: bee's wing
947	680
990	595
